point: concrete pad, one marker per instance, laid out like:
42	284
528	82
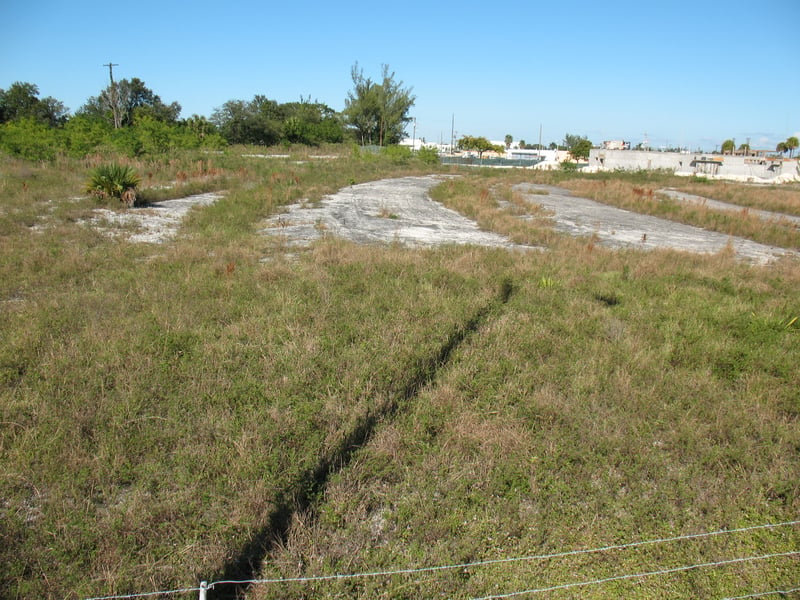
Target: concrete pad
618	228
382	212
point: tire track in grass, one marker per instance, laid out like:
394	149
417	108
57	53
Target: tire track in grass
232	581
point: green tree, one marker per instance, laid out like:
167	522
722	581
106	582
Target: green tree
362	107
578	146
123	100
21	101
478	144
509	140
791	144
84	133
256	122
377	112
311	123
728	146
143	101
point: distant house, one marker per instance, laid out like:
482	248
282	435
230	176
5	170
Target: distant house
756	167
616	145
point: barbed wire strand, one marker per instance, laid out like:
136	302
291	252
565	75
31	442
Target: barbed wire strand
760	594
210	586
147	594
565	586
501	560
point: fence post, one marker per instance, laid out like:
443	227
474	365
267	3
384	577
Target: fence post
203	588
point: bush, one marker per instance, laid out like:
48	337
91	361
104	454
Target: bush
28	138
397	154
114	181
428	155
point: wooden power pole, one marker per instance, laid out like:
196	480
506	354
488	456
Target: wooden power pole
113	99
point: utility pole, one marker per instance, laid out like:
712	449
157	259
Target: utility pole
111	66
453	133
113	99
540	141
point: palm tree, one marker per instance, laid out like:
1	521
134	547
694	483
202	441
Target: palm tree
790	144
781	147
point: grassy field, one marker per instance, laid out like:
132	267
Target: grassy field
217	408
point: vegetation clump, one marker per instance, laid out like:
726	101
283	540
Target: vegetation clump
114	181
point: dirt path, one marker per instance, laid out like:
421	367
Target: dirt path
387	211
620	228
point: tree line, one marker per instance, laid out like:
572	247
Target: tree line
130	118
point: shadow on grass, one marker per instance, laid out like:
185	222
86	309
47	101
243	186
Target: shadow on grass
238	573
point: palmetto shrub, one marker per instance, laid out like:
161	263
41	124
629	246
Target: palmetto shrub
114	181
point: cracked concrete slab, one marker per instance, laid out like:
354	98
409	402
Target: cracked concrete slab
388	211
618	228
154	223
764	215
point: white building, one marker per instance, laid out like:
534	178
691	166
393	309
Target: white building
757	168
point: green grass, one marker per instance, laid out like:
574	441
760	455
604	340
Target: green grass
162	406
632	397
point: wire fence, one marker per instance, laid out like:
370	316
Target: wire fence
474	161
205	587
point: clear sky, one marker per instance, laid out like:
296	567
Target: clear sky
686	73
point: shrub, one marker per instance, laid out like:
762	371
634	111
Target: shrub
397	154
114	181
29	139
428	155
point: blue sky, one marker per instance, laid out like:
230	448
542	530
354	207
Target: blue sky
685	73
